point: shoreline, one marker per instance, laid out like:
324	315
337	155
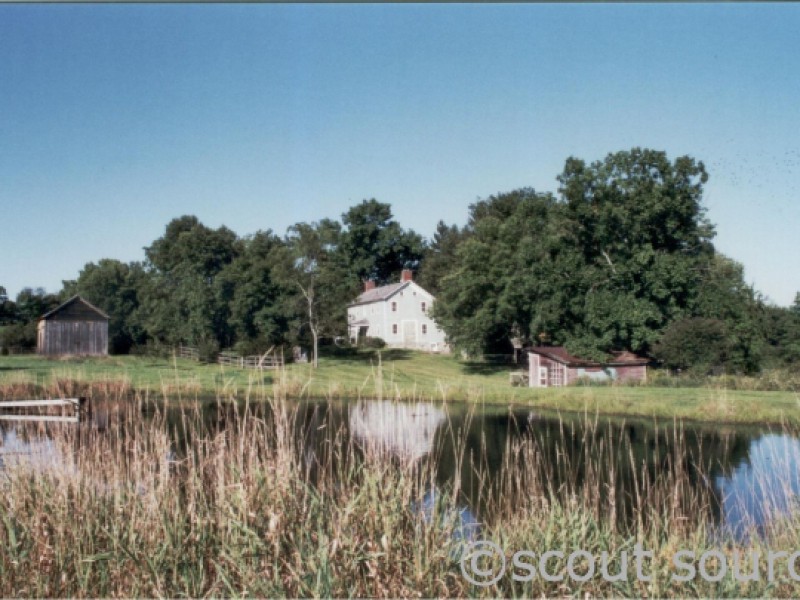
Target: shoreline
406	377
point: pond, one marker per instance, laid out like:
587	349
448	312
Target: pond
746	475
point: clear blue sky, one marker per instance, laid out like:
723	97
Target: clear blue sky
115	119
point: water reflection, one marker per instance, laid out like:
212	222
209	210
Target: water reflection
405	431
749	474
764	484
36	452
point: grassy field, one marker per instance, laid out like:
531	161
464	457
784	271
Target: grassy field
392	374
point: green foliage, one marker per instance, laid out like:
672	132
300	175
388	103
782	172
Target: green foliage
439	258
310	264
636	220
696	344
19	319
372	342
181	300
257	302
8	310
606	267
374	246
781	327
500	286
722	294
33	303
19	335
208	349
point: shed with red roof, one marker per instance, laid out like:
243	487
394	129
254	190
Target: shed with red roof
554	366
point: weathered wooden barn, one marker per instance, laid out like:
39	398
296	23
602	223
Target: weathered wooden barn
76	327
553	366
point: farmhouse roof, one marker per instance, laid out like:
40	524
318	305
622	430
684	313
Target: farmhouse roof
615	359
380	293
71	302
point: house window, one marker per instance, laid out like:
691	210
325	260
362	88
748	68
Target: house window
394	328
423	306
424	327
394	306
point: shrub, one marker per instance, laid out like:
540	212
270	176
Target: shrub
208	350
19	335
695	344
152	348
372	342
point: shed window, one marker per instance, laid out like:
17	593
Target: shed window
558	375
394	306
394	328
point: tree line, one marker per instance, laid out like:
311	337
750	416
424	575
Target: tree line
620	258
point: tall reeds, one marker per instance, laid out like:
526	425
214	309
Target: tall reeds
262	500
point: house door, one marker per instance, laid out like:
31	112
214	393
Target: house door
542	376
409	334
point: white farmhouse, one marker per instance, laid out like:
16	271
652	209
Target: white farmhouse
399	313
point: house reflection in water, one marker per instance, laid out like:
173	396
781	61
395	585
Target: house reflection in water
403	431
406	432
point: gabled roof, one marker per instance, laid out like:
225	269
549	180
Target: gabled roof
627	358
380	293
615	359
69	303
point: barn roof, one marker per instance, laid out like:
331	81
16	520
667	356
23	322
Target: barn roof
71	302
380	293
615	359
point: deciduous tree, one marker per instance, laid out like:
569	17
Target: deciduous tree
374	246
310	263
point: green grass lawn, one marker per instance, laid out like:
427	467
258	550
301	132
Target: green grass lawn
404	374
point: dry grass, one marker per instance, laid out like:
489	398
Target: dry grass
239	507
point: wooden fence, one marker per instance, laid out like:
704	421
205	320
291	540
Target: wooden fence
187	352
269	360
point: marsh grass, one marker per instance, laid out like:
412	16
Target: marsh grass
246	505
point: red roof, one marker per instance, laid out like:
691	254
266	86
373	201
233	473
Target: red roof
560	354
627	357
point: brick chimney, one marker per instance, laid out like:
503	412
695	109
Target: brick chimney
407	275
369	284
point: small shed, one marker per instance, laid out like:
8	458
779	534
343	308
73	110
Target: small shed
75	327
553	366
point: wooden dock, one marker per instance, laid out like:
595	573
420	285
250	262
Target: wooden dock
78	406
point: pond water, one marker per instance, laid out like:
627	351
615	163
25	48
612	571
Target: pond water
748	474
